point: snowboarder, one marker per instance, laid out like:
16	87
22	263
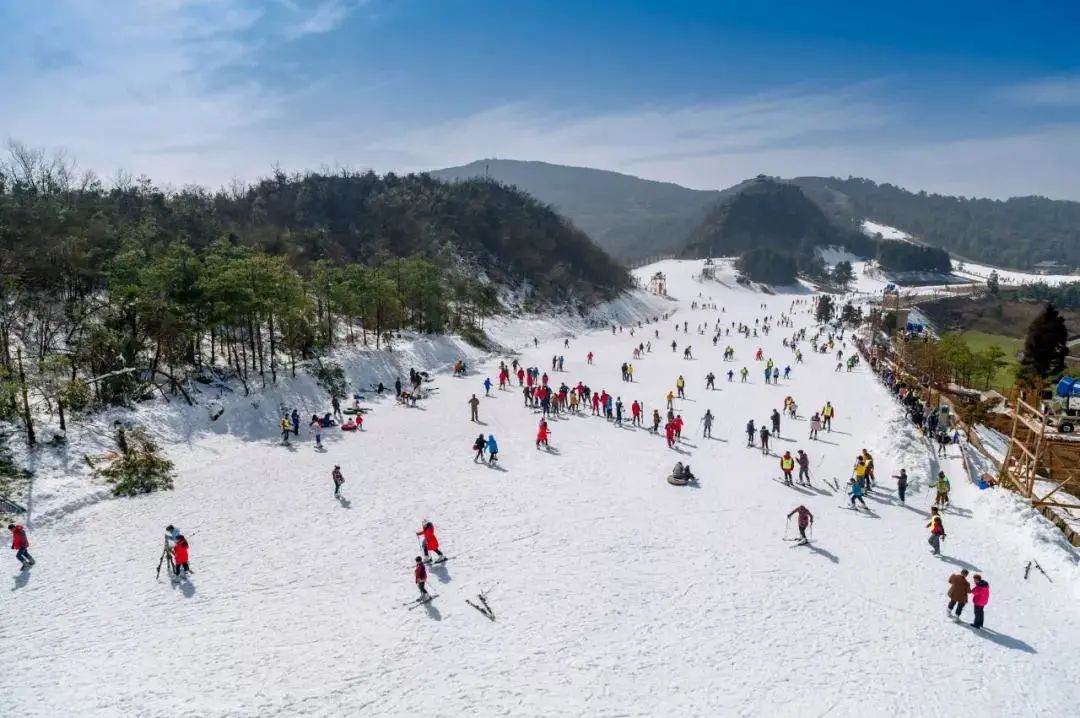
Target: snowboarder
959	588
474	408
429	542
493	450
338	480
804	467
901	484
180	556
937	530
478	446
815	425
980	596
805	519
420	576
707	420
21	545
787	465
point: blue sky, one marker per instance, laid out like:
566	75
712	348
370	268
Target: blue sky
971	98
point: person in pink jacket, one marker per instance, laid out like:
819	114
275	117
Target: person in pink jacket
980	596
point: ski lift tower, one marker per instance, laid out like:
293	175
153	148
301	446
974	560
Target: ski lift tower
709	270
658	284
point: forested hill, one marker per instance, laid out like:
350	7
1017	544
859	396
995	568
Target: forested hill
56	234
766	213
1018	232
775	229
630	218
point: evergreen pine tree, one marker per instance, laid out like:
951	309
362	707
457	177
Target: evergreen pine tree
825	308
1045	346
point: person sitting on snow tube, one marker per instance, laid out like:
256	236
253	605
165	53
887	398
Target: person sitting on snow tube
327	420
357	422
679	472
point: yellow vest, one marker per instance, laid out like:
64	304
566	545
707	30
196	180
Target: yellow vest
787	464
860	470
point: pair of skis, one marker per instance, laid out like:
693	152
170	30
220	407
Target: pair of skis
485	609
1027	569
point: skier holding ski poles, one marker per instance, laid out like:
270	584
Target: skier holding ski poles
805	519
430	542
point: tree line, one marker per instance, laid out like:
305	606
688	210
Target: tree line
109	294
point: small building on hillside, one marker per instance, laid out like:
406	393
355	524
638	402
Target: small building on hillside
658	284
709	270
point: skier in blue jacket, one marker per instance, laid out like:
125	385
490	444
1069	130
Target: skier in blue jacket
487	386
856	492
493	449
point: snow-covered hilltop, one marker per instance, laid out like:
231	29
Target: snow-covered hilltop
613	592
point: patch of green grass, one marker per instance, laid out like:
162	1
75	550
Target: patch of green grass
1005	377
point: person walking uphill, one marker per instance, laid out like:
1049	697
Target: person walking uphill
338	480
805	519
980	596
478	446
493	450
21	545
901	484
937	531
430	542
959	588
474	408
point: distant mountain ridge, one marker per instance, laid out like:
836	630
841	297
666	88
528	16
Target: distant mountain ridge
633	218
628	217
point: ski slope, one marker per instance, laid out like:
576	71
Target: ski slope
614	592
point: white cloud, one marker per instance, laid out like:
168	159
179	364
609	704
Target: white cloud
1060	91
324	17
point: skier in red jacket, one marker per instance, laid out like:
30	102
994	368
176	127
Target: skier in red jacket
180	556
805	519
430	542
542	434
21	544
669	432
420	576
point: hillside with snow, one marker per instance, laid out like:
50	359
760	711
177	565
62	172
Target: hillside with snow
613	592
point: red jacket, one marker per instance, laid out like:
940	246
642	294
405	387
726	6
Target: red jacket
180	551
669	430
635	409
980	593
595	400
429	537
18	538
542	432
420	573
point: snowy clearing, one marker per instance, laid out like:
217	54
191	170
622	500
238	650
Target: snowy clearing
614	592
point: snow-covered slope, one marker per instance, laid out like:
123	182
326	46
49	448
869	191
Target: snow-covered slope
614	592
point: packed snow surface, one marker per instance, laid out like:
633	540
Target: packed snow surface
886	232
614	592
